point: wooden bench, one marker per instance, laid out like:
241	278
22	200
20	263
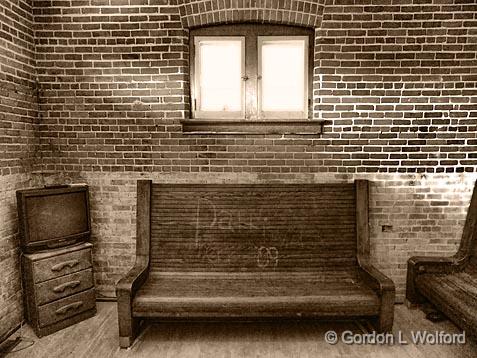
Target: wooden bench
251	252
449	283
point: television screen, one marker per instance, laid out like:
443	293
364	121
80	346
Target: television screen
53	217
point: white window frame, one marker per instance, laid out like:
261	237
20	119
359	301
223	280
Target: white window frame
197	111
283	114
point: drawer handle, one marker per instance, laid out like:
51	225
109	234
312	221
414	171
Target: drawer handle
71	306
61	288
62	265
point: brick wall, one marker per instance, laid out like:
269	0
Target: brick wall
18	106
18	142
396	84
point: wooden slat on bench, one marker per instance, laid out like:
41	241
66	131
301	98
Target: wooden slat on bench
254	228
460	288
194	295
246	285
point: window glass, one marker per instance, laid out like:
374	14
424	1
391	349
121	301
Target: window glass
220	76
283	70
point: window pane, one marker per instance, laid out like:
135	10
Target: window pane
220	75
283	75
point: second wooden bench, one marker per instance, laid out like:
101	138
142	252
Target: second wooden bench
449	283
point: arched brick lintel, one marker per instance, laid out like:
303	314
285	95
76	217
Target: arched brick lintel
307	13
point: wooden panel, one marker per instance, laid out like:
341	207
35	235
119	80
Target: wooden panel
454	294
303	127
362	220
69	280
46	254
143	218
253	228
246	296
66	307
62	264
52	328
64	286
468	245
246	285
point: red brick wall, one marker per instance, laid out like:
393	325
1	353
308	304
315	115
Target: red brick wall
18	142
396	84
18	101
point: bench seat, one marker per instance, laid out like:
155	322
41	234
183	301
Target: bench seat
244	295
454	294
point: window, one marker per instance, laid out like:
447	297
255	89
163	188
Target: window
251	73
283	77
220	67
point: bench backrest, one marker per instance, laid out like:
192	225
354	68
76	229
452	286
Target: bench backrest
257	228
468	244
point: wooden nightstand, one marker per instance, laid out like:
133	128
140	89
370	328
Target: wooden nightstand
58	288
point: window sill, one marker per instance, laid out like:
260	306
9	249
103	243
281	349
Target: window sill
301	127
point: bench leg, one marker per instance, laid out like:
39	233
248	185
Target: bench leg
380	324
413	297
128	331
384	322
128	325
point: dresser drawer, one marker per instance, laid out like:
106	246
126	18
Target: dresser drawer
61	265
64	286
66	307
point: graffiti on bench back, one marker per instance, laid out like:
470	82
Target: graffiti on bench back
259	242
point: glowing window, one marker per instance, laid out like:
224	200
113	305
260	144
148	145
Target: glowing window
251	72
283	68
220	66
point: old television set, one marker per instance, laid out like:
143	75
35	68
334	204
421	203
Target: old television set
53	217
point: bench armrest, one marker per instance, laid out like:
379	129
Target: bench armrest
429	264
386	291
378	281
130	283
126	289
426	264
